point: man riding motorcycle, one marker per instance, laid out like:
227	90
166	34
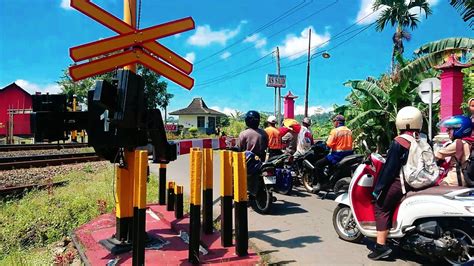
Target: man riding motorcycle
340	143
253	139
274	138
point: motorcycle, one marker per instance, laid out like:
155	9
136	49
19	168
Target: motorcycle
260	184
281	168
437	222
337	177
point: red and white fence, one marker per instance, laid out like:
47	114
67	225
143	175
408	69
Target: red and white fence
185	145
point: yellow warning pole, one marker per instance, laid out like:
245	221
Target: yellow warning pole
178	203
240	199
207	191
171	196
130	17
74	132
226	197
139	206
195	208
124	196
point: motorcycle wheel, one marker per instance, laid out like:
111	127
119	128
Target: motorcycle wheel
262	201
308	181
342	185
467	246
346	229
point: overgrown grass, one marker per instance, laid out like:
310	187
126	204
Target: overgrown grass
40	218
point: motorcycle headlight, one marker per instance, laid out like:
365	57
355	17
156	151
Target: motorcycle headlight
470	208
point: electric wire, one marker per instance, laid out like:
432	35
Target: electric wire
261	28
271	36
340	34
233	75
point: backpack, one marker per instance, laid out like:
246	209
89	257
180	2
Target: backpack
468	170
420	170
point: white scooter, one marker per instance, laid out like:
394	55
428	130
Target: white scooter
437	222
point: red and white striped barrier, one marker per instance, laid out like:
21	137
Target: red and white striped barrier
185	145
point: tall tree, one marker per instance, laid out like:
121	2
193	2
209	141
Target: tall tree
156	94
400	14
466	8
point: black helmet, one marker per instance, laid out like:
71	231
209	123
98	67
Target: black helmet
252	119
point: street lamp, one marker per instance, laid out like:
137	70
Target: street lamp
324	55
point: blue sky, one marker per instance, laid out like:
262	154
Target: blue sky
35	36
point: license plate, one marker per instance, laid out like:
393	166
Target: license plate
269	179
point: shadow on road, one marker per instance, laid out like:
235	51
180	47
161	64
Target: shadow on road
296	242
283	207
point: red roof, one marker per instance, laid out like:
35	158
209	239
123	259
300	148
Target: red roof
452	62
289	95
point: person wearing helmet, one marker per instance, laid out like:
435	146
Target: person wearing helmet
305	137
459	129
289	139
274	139
388	189
253	139
340	143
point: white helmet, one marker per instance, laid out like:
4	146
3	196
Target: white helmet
272	119
409	117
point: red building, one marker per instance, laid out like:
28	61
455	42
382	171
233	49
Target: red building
15	106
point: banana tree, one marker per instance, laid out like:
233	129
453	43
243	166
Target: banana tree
466	8
434	53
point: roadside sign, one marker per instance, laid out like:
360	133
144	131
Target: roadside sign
171	127
132	41
277	81
425	88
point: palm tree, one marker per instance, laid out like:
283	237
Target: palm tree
399	13
466	8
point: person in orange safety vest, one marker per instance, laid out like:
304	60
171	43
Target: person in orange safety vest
274	138
340	143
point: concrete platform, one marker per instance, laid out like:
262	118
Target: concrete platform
159	223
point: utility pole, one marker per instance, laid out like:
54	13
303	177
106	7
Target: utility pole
306	96
279	89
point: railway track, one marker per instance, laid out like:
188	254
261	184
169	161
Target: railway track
42	146
19	189
46	160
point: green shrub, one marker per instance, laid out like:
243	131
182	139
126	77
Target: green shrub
41	218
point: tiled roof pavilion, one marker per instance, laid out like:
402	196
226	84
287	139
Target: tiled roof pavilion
197	107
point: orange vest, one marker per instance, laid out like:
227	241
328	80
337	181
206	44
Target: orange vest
340	139
274	139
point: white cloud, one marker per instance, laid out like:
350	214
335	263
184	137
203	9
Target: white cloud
366	9
65	4
299	110
32	88
177	35
205	36
225	110
225	55
297	46
190	57
257	40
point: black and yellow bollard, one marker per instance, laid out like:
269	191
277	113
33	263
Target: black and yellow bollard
226	198
139	207
74	108
178	203
162	185
207	178
195	208
171	196
124	197
240	202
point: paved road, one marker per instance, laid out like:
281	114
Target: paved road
299	230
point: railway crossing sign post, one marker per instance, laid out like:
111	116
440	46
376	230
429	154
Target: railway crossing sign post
129	47
121	107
